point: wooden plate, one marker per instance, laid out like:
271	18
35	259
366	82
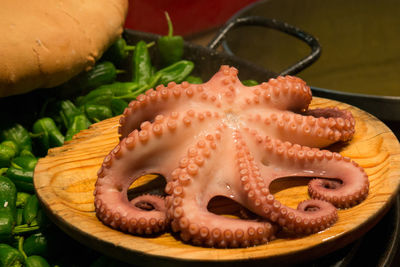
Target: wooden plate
65	180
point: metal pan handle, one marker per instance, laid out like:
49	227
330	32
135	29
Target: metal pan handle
310	40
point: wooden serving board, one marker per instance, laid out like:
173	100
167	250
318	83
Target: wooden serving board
65	180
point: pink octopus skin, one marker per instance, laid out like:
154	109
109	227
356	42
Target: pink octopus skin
222	138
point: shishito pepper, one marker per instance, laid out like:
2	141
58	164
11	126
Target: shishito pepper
10	257
8	198
24	186
68	111
22	199
19	219
18	174
6	155
118	106
106	93
10	144
79	123
21	172
36	244
36	261
97	113
74	119
24	162
19	135
102	73
194	79
48	134
176	72
250	82
99	96
31	209
142	68
27	153
170	46
118	51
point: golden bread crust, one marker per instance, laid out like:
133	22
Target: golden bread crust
45	43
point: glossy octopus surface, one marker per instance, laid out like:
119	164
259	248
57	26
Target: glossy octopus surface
224	139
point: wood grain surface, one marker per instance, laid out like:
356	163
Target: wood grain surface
65	180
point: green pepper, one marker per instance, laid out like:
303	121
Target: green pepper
8	198
102	73
21	172
7	223
36	244
118	106
19	135
10	257
106	93
10	144
36	261
49	135
142	68
79	123
74	119
68	111
24	162
194	79
118	51
25	228
23	185
16	174
99	96
19	219
6	154
97	113
27	153
31	209
22	199
170	47
176	72
250	82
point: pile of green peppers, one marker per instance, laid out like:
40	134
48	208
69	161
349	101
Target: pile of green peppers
27	237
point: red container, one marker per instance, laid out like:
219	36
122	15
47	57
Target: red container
188	16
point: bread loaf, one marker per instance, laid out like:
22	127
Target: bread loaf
45	43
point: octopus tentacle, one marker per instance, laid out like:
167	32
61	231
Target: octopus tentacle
312	130
302	161
158	103
349	191
135	156
312	162
186	205
213	230
256	182
282	93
